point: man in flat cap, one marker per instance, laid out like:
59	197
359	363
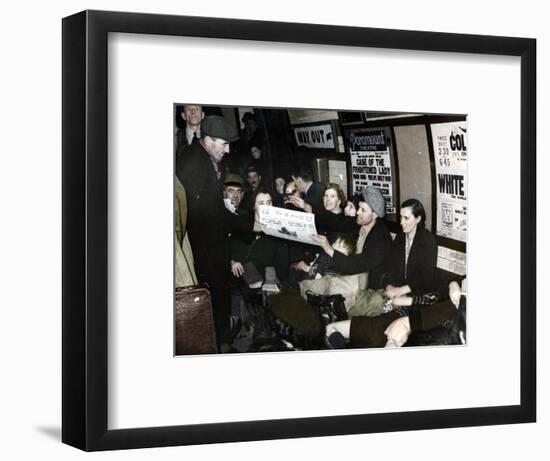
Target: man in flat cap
373	243
209	221
232	191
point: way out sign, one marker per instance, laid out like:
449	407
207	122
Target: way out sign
317	136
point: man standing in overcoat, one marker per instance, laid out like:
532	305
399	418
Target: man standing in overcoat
209	222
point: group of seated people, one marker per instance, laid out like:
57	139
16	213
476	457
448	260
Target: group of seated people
384	283
388	285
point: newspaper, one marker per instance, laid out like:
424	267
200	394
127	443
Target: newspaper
288	224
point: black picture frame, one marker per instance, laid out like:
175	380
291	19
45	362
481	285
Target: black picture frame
85	230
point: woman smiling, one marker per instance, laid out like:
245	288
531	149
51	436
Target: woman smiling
413	258
334	198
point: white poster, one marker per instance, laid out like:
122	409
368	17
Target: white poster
288	224
338	173
451	260
371	164
450	152
318	136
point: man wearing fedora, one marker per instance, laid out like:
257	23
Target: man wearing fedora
209	221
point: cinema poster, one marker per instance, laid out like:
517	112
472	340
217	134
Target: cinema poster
450	143
371	164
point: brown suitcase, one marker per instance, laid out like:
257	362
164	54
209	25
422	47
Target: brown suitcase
195	332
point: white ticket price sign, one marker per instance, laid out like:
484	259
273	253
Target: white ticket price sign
288	224
450	152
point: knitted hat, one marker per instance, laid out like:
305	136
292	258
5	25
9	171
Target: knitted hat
375	200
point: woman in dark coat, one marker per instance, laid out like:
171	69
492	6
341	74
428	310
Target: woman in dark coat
258	248
330	220
408	277
410	268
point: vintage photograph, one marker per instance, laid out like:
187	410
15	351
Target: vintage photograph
307	229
